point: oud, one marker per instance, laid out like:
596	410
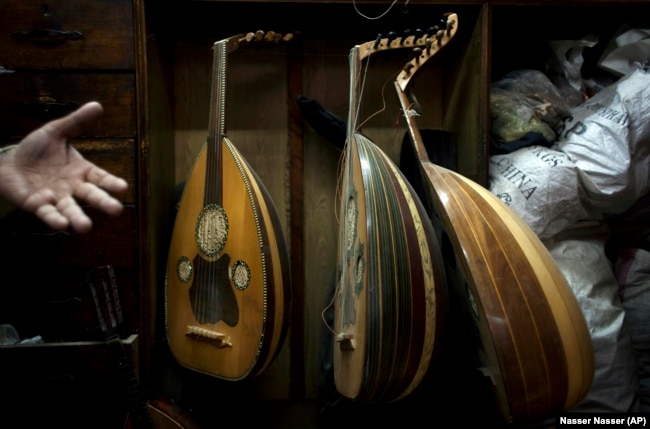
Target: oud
532	340
227	292
390	298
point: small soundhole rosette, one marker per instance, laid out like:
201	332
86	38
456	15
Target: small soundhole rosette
184	269
240	275
351	217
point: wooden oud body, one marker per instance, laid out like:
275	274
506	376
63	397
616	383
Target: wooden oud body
226	310
391	299
515	317
164	415
524	322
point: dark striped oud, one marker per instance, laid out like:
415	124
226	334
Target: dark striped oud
390	300
532	339
227	296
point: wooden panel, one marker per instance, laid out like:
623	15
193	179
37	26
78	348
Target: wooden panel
30	99
66	34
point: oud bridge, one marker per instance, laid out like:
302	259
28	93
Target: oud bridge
346	341
217	339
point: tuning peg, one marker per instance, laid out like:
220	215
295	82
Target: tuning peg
450	25
259	35
287	37
405	36
377	41
443	24
418	35
269	36
416	53
391	36
432	30
439	35
407	67
428	43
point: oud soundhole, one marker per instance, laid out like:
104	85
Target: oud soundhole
211	231
351	216
353	268
359	270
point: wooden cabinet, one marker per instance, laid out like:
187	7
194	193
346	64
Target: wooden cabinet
55	56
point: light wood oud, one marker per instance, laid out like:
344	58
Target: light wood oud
227	296
390	302
531	337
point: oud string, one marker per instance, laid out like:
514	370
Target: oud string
353	107
327	307
358	86
341	161
358	78
383	98
354	3
206	296
213	141
357	81
357	128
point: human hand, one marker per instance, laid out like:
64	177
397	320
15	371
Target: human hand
45	175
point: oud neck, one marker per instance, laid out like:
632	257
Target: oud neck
408	109
440	36
355	91
216	122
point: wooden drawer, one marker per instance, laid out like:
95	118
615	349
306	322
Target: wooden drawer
72	385
45	274
32	98
66	34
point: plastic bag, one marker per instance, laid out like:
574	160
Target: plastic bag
524	102
608	139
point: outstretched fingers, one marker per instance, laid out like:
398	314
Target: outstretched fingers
74	214
99	183
66	213
98	198
105	180
60	212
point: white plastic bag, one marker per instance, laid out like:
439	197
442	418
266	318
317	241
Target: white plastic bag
579	252
608	139
541	185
